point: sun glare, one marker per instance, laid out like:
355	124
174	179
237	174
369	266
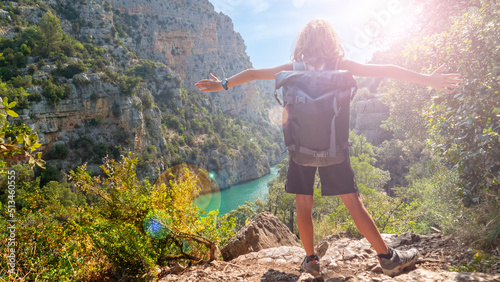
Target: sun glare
298	3
360	11
372	25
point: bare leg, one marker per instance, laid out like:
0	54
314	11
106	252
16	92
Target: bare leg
363	221
304	204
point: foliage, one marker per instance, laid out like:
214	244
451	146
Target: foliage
186	125
120	222
18	95
481	262
144	68
362	157
433	17
64	193
71	69
49	246
244	213
464	125
125	202
461	128
392	215
55	93
365	172
277	202
47	43
17	143
79	231
51	29
25	185
128	84
396	157
33	38
215	131
435	186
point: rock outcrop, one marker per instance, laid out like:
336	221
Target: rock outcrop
94	117
369	115
263	232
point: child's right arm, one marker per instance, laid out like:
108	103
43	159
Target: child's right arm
437	80
214	84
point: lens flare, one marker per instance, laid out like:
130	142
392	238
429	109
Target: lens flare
208	197
155	225
278	115
211	175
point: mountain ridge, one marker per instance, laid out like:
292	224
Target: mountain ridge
134	90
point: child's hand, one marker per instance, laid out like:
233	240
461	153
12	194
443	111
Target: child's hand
440	80
209	85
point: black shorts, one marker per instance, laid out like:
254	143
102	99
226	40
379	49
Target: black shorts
336	179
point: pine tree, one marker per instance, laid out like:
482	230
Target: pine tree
51	29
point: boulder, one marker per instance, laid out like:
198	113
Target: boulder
369	115
407	238
264	231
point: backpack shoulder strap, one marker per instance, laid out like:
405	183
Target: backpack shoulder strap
299	66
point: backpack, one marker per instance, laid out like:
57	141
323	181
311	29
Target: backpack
316	113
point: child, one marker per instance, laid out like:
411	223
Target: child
317	44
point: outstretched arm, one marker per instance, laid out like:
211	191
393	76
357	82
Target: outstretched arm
437	80
214	84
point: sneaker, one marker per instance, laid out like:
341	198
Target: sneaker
310	264
398	261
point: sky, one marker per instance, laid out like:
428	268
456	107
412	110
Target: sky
270	27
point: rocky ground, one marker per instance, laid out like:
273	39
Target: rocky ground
342	259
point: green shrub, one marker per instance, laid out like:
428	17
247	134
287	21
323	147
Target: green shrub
32	69
128	84
72	69
127	202
13	94
144	68
33	38
50	27
50	173
63	193
189	139
55	93
60	151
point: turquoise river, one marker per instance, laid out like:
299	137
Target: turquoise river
235	196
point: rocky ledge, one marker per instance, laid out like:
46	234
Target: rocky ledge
342	259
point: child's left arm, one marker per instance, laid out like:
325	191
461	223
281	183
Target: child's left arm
437	80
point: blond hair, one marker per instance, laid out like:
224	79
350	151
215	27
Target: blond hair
318	43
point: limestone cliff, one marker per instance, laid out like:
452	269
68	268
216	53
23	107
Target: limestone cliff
187	40
194	41
367	116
